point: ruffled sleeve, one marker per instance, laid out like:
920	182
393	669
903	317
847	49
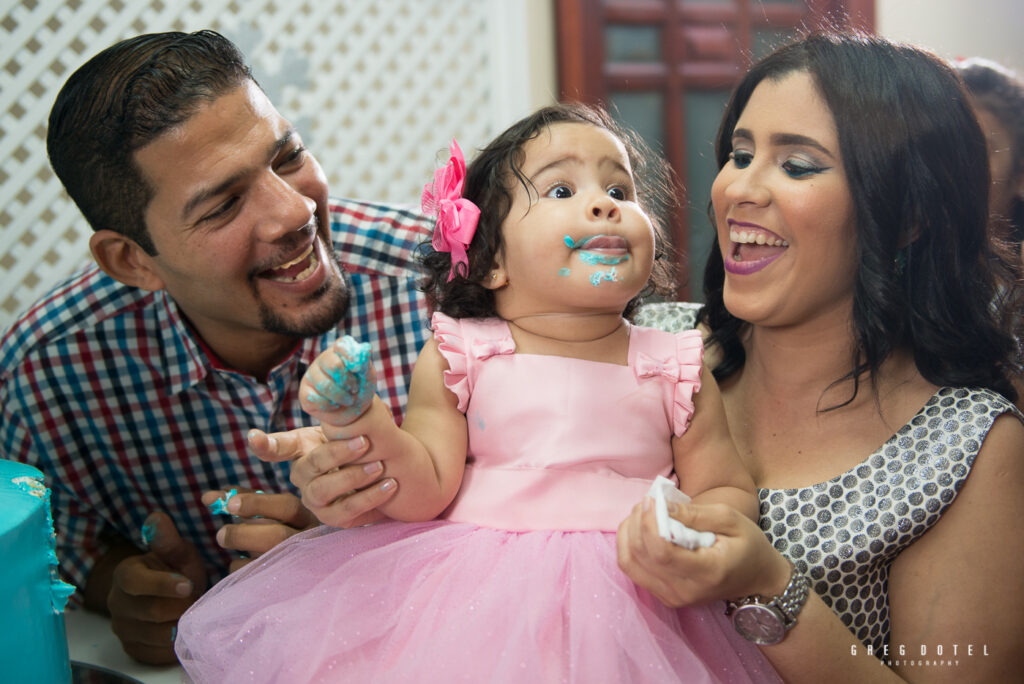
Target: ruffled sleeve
450	343
690	355
675	358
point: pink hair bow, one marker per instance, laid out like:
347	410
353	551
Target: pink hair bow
456	216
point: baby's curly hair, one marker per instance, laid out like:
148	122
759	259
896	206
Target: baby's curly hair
490	180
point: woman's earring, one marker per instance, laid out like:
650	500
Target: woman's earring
900	262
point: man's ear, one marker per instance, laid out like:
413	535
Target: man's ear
122	259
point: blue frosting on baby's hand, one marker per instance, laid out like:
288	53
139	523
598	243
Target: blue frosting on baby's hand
347	384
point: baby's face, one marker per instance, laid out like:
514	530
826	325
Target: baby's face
577	241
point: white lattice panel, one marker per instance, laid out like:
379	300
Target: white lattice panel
376	87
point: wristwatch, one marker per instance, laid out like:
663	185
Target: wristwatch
766	621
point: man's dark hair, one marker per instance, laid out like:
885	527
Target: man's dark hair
121	100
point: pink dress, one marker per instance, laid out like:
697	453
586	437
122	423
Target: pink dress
519	581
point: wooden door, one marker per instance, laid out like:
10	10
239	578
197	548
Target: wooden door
665	68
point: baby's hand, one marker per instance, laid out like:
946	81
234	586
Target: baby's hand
340	385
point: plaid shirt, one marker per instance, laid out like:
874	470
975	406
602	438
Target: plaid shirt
108	392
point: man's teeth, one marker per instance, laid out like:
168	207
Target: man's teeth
296	259
755	238
301	275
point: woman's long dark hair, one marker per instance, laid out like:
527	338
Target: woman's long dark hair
928	276
490	181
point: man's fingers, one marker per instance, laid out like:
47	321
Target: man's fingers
284	508
146	607
148	576
284	446
239	563
331	457
327	488
358	508
151	643
254	537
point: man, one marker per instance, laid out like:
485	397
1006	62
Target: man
133	384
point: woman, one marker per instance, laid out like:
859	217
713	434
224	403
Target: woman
849	297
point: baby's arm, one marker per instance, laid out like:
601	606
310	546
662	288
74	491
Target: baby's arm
706	461
426	456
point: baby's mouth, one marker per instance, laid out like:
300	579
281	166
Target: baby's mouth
299	268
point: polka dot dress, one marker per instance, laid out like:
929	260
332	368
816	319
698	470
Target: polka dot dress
845	533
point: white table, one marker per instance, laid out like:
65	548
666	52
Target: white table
91	641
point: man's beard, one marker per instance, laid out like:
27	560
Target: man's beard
333	305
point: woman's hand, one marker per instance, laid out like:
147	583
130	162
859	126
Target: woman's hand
741	562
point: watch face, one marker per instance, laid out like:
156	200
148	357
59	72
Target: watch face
760	624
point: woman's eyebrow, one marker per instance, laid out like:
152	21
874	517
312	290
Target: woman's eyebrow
783	139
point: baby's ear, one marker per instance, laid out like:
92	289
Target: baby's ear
496	279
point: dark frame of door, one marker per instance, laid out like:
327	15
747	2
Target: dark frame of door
583	75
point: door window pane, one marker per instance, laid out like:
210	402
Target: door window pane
632	43
642	112
767	39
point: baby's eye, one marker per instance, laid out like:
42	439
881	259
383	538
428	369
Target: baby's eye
560	191
617	193
740	159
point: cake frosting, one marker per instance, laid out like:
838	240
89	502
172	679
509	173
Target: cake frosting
33	645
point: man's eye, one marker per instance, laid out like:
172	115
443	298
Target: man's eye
560	191
294	157
221	210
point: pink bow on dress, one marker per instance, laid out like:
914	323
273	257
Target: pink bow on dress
649	367
456	216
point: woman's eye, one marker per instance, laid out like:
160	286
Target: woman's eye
617	193
799	169
561	191
740	159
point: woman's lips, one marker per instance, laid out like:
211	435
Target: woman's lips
752	248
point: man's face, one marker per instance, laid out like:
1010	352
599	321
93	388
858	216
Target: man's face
240	223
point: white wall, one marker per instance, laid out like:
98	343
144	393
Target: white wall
376	87
957	28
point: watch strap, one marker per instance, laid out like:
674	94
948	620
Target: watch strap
789	603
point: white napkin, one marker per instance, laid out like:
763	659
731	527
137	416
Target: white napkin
662	491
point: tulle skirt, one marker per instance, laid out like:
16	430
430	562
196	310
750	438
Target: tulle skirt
452	602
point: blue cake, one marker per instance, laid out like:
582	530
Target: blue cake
33	645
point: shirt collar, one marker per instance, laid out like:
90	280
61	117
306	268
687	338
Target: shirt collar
187	359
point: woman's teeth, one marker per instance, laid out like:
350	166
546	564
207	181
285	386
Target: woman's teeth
756	238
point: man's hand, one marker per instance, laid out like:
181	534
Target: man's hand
149	592
336	486
264	520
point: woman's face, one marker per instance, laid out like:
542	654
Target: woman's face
784	213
